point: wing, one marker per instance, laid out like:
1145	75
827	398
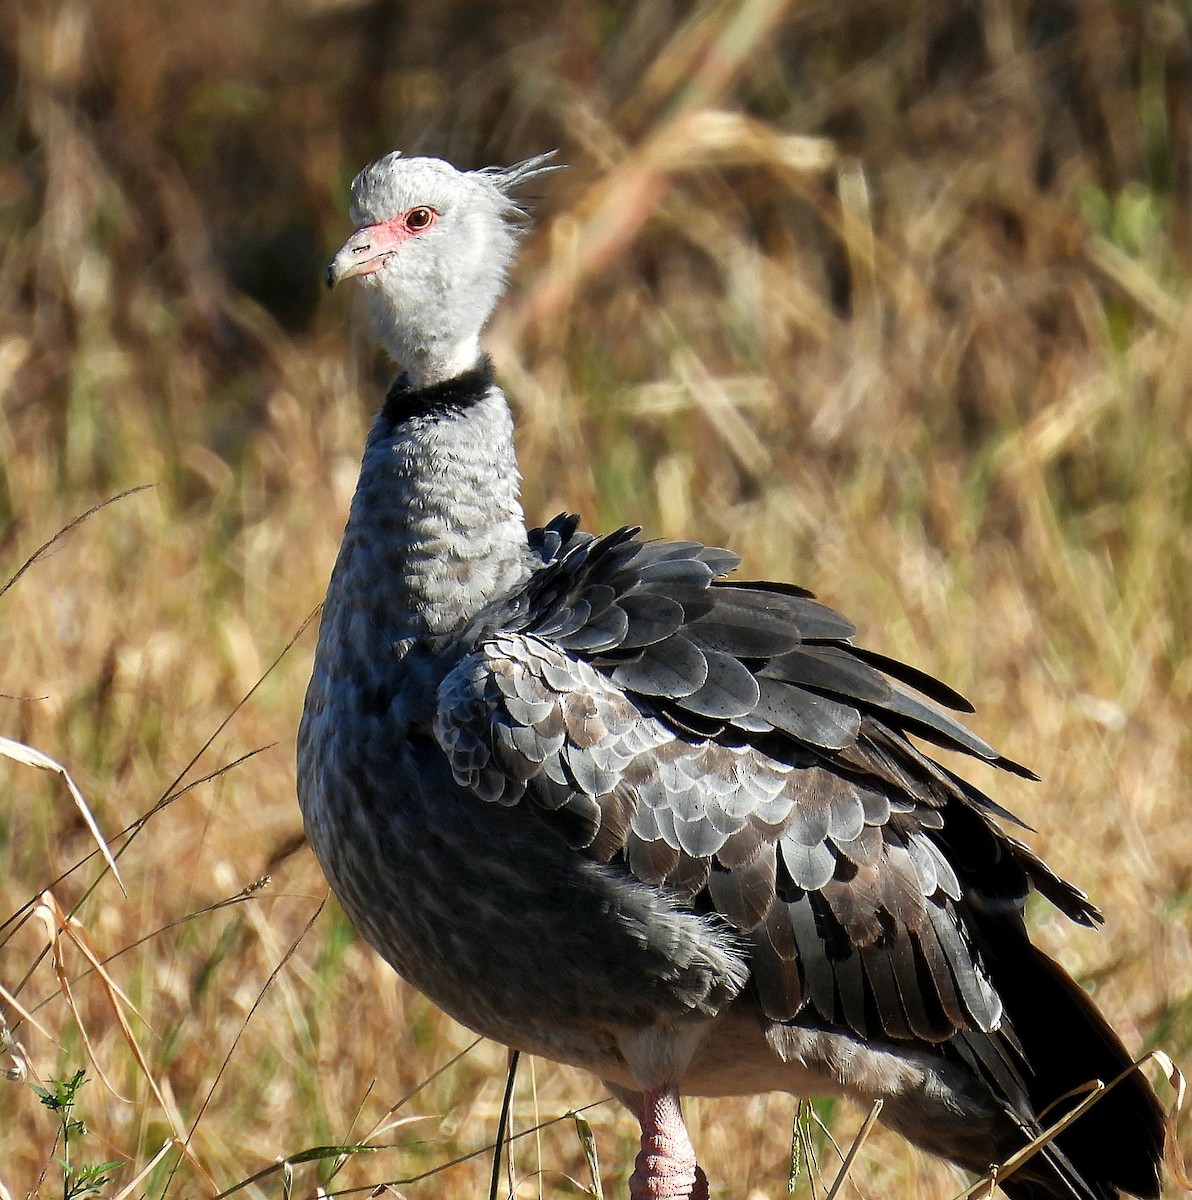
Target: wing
729	743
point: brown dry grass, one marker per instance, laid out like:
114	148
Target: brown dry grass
890	297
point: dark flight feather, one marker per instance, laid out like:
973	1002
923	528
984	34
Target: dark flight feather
728	743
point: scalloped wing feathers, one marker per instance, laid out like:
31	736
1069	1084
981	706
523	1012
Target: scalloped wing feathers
727	743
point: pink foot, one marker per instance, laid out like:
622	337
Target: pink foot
665	1168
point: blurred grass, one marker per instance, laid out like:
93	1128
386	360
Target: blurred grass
890	297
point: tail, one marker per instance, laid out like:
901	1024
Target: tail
1053	1040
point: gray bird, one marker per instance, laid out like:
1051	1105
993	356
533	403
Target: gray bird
603	804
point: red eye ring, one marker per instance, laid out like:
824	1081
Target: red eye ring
420	218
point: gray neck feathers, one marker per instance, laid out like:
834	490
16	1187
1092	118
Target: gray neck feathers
436	530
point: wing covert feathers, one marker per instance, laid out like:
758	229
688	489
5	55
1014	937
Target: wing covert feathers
727	742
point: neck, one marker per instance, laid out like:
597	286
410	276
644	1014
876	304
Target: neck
436	531
428	367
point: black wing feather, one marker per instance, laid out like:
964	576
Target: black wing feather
726	741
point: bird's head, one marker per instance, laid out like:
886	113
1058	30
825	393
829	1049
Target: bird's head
432	248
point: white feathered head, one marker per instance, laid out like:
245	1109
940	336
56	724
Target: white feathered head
433	246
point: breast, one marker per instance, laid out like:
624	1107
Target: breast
487	911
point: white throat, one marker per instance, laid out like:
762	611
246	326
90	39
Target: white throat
425	369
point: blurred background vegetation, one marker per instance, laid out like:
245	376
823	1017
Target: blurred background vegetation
890	296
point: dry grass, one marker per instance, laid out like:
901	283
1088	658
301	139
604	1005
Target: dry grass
892	298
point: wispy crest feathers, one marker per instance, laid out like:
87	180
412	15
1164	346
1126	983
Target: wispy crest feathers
508	179
378	191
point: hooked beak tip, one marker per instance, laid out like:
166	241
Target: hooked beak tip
367	251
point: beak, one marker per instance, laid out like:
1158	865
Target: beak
365	252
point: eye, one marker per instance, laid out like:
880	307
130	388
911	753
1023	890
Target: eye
418	219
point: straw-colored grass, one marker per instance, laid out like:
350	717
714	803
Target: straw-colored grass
892	298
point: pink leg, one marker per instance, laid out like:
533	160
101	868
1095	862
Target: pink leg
665	1168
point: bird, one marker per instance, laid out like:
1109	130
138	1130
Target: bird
604	802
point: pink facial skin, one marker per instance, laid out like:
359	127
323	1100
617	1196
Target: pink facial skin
370	247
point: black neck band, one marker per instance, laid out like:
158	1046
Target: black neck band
455	395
